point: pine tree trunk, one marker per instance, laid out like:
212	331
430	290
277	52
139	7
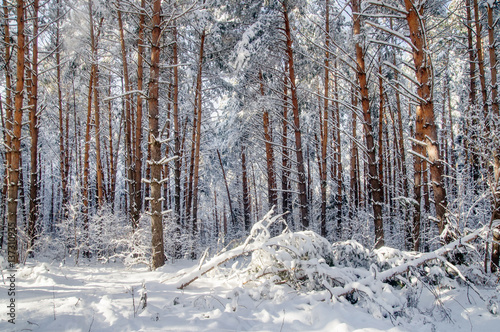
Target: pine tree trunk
417	178
246	194
495	248
138	122
177	147
132	185
95	82
271	175
112	166
285	156
7	120
198	136
480	63
158	256
374	184
355	186
338	145
14	165
62	150
302	187
324	132
426	111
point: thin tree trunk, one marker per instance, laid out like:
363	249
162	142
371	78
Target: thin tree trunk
374	184
95	81
285	155
33	103
158	256
246	194
355	186
62	149
480	63
198	136
129	162
138	122
380	134
271	175
324	132
495	248
7	121
112	167
233	217
177	146
338	144
302	187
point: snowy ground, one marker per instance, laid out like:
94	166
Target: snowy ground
52	297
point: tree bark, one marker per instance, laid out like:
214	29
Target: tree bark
33	103
177	146
285	156
95	81
272	194
480	63
324	126
246	193
138	122
302	187
15	148
426	110
198	135
158	256
374	184
129	160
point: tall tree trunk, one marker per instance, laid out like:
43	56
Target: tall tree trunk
138	122
495	248
374	184
62	150
272	194
13	254
129	161
177	146
95	81
324	133
302	187
285	155
7	121
426	109
380	135
480	63
33	103
355	186
417	178
198	136
158	256
493	60
112	166
233	218
86	157
338	145
471	109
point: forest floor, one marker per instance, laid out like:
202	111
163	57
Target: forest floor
63	297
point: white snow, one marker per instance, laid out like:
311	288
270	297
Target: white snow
291	282
99	298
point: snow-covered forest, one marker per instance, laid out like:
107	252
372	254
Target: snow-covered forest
327	153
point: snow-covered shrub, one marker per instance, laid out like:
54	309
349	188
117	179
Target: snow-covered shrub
133	247
350	253
293	258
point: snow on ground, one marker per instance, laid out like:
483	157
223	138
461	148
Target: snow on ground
52	297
